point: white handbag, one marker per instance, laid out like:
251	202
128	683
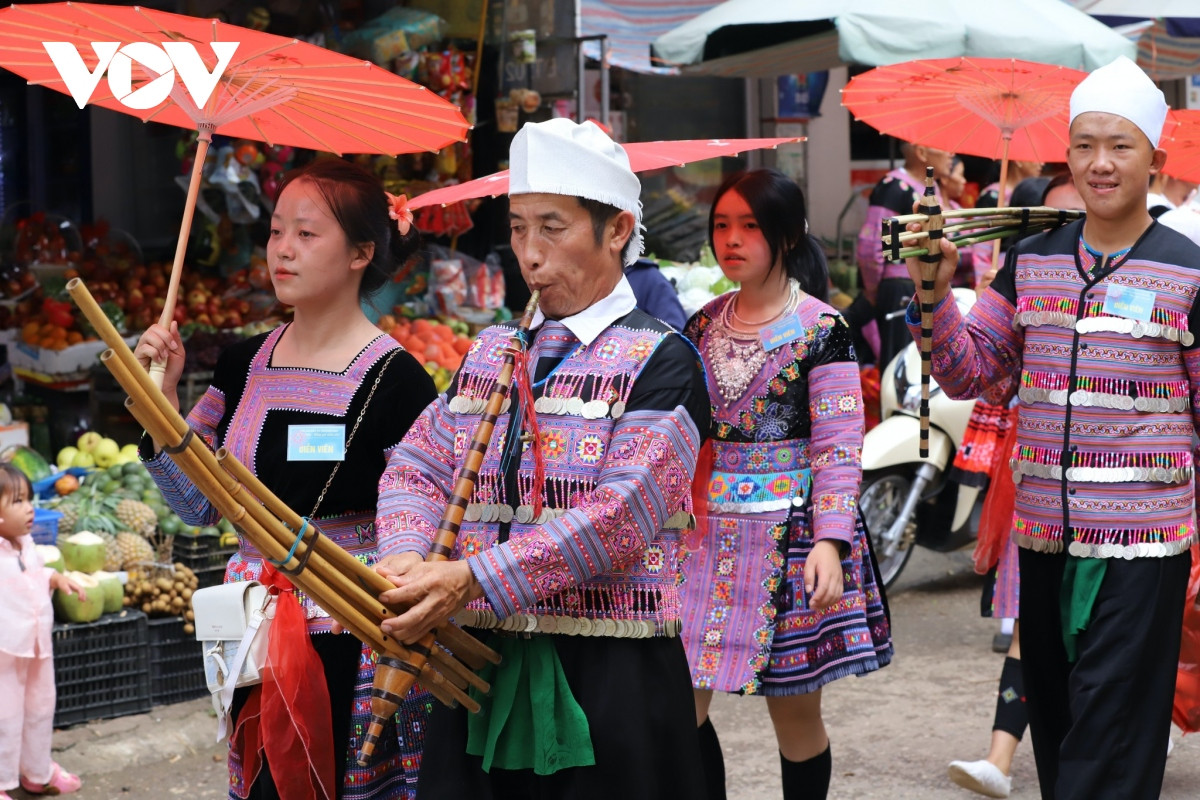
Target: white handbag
232	620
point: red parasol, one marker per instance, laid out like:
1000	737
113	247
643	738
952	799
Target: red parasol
992	107
218	78
643	157
1181	140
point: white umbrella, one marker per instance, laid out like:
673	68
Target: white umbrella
1141	9
808	35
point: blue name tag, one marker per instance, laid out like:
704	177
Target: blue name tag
782	332
1128	302
316	442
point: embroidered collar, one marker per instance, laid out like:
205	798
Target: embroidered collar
591	322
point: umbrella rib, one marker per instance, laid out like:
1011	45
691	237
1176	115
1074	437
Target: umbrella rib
349	133
371	113
358	108
324	145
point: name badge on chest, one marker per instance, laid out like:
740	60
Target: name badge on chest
316	442
786	330
1128	302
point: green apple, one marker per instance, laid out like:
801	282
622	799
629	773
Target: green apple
88	441
66	456
129	452
83	459
106	453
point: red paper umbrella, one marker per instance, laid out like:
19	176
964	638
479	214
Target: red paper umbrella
990	107
1181	140
643	156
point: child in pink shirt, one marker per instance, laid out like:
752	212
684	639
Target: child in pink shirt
26	663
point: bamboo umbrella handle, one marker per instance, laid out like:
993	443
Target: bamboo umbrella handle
158	369
1007	137
929	269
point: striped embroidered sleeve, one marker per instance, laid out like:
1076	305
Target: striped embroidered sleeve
413	490
970	355
178	490
647	472
835	406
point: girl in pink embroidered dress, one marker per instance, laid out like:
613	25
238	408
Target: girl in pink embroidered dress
779	592
26	660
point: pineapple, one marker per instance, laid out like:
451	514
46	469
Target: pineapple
87	509
136	516
133	548
114	559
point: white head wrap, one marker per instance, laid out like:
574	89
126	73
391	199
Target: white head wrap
1122	88
559	156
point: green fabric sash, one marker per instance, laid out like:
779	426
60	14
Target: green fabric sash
1081	583
530	720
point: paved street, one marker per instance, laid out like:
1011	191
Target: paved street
893	732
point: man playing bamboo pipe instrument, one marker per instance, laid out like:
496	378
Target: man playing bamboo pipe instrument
1098	322
568	546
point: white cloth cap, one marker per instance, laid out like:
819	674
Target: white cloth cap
559	156
1122	88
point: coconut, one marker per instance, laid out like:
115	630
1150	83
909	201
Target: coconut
114	590
83	552
69	608
51	557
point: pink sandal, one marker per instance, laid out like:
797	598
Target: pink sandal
61	782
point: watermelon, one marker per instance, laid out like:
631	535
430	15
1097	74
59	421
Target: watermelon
27	460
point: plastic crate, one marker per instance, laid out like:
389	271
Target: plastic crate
200	552
45	525
176	662
101	668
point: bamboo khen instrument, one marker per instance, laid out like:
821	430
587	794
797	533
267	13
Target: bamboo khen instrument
343	586
932	226
384	698
972	226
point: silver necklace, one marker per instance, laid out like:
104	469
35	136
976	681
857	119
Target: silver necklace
737	356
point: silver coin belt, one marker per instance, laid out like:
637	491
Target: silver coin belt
1120	402
1129	551
1134	328
566	626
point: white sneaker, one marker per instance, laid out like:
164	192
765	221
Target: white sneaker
983	777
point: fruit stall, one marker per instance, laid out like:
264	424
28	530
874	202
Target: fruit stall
100	519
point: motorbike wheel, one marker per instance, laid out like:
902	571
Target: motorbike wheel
881	500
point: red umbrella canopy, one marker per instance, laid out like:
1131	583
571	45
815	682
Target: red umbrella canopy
643	157
1181	140
970	105
190	72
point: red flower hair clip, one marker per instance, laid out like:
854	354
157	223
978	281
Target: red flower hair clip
398	210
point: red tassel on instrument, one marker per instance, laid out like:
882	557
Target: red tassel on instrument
529	424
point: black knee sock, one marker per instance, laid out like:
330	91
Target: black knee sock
1011	714
807	780
713	761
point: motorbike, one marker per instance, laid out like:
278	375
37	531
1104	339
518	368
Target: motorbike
907	500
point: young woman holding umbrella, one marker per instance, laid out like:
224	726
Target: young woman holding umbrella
335	239
780	595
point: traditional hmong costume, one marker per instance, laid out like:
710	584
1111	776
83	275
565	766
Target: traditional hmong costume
591	576
251	408
1104	346
786	465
